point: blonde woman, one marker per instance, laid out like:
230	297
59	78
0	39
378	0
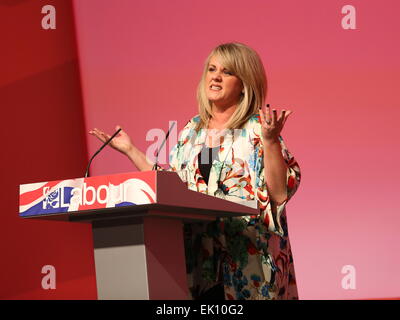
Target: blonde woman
233	149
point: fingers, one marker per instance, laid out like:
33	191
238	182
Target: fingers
265	115
282	116
99	134
269	118
262	116
286	116
274	119
117	127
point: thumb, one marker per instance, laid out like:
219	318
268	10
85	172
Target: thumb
286	116
117	127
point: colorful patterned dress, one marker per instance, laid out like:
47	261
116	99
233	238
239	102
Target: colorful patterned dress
250	255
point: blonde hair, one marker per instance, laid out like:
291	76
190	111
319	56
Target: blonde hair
245	64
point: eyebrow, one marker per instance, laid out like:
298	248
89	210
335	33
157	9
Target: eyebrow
213	65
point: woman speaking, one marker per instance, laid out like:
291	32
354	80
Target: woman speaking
233	150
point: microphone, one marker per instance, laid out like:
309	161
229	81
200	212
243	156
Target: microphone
101	148
158	150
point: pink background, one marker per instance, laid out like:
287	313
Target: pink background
140	63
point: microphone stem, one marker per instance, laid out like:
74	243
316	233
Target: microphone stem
162	144
101	148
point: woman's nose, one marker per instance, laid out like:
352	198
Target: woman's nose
217	76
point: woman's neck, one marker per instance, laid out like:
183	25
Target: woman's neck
217	124
220	117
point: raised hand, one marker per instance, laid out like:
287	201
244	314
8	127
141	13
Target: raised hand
121	141
272	125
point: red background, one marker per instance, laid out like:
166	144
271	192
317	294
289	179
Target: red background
43	139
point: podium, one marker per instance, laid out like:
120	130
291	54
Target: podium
137	222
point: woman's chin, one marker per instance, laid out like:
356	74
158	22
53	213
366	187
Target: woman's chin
214	98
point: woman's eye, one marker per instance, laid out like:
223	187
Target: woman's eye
212	69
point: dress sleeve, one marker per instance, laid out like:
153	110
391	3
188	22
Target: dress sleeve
273	214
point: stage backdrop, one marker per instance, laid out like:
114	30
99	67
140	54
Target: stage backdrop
42	139
140	65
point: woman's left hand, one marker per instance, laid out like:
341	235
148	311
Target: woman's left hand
272	125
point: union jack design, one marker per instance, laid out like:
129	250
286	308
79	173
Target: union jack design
82	194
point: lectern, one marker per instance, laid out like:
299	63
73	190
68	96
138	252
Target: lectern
137	226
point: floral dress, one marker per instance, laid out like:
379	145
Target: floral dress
250	255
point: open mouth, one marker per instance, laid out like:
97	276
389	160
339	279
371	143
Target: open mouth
215	88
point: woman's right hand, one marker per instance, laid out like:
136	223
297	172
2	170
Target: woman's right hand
121	142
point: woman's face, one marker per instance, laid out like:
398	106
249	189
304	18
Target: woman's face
223	88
